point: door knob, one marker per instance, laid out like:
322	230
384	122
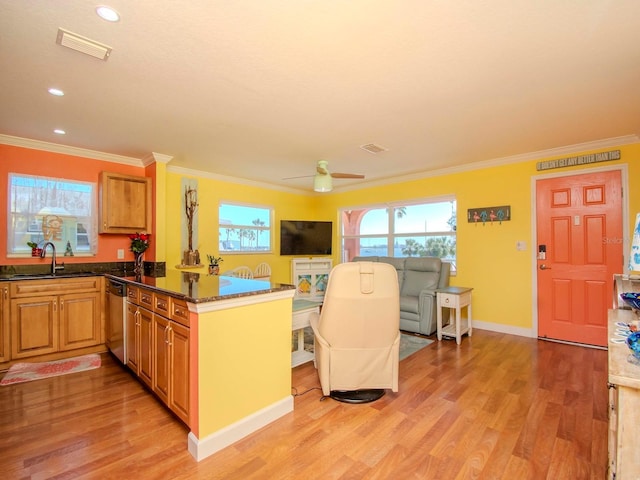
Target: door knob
544	267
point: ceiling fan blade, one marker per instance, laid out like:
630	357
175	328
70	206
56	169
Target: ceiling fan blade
346	175
300	176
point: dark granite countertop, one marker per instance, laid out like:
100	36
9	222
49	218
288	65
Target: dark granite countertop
191	286
201	287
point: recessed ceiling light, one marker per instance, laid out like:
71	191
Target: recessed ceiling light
56	91
107	13
59	131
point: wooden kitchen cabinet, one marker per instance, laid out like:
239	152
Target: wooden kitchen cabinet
55	316
5	344
34	326
140	342
80	320
158	346
125	203
171	365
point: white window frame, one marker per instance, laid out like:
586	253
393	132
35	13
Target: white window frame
390	235
25	216
228	227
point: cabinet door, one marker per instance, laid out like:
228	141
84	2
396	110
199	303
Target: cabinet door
34	326
179	371
161	341
132	337
145	332
125	203
5	346
80	324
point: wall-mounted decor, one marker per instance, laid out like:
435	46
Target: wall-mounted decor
580	160
489	214
189	228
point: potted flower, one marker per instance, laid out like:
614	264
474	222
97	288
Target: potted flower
35	250
214	264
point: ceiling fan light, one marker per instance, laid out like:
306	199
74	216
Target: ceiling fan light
322	183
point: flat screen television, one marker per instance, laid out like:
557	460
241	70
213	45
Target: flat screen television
304	237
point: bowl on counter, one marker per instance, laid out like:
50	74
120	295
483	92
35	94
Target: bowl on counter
633	342
632	299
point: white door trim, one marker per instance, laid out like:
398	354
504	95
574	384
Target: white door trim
624	169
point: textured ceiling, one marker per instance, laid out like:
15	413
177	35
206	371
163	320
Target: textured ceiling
263	89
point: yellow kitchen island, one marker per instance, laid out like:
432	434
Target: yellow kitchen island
239	351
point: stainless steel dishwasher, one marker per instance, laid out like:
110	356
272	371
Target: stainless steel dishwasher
116	331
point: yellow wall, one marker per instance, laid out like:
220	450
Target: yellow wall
244	362
210	193
487	258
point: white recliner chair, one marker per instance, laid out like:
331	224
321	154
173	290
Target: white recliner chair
357	333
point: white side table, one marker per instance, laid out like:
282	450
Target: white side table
455	298
302	309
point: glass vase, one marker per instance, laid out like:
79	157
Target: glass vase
138	264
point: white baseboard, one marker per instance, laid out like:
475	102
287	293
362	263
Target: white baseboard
500	328
202	448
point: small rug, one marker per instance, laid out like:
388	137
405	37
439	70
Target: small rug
26	372
410	344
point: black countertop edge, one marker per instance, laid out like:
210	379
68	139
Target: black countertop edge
249	287
43	269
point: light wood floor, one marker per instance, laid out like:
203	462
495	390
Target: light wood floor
497	407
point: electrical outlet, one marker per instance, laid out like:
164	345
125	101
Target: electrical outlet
120	253
521	245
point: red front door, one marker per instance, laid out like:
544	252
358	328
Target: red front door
579	223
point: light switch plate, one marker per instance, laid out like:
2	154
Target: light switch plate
120	253
521	245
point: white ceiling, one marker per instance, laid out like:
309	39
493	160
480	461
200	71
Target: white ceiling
263	89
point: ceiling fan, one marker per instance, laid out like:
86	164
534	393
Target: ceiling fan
323	178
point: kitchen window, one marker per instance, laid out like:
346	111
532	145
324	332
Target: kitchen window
56	210
244	228
423	228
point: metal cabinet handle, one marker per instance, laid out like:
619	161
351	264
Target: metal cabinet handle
544	267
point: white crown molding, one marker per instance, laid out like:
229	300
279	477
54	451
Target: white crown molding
162	158
67	150
239	181
496	162
154	157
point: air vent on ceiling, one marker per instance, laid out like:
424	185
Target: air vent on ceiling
82	44
373	148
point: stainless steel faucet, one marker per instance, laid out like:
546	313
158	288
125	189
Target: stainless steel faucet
54	266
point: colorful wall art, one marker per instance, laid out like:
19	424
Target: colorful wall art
490	215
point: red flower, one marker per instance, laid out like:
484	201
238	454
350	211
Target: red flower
139	242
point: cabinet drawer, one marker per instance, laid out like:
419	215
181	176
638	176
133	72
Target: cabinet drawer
133	294
145	298
448	300
179	311
161	304
452	301
28	288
